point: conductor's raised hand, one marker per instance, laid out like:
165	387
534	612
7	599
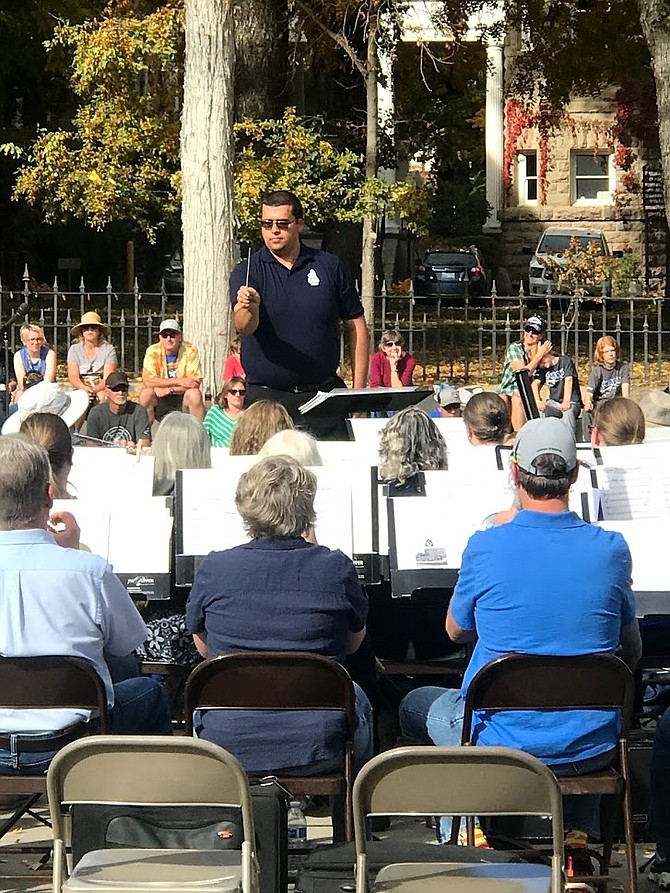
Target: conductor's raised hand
248	298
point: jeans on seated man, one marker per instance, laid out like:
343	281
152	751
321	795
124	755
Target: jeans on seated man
659	805
544	583
56	600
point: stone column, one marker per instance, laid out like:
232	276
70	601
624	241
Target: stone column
494	133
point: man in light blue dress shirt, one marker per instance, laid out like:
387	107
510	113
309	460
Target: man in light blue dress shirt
57	600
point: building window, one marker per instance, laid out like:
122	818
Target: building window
527	166
593	178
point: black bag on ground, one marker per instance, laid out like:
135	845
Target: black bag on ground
98	826
330	868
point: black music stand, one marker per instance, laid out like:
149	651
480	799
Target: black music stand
341	402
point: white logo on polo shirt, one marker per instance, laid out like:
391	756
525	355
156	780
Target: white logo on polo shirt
312	278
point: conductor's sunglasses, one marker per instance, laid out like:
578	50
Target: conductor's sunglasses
280	224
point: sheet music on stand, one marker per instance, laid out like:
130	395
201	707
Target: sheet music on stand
647	541
127	478
135	539
207	520
635	492
428	534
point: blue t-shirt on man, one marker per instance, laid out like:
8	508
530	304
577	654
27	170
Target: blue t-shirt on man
297	339
545	583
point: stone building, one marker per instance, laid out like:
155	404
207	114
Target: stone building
592	171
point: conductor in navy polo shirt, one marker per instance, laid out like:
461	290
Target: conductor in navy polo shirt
287	300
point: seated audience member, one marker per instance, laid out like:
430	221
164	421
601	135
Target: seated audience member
34	357
51	432
655	406
486	419
503	609
257	424
609	376
280	592
449	405
118	420
91	358
223	415
171	375
60	601
232	368
525	354
298	445
47	396
391	366
617	422
558	372
180	442
410	443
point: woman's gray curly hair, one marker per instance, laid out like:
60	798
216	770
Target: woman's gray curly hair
409	443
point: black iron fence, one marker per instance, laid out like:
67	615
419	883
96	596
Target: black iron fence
462	339
467	340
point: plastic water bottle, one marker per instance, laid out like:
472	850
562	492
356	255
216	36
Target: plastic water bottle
297	825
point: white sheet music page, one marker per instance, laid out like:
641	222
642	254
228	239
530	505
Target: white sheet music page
333	510
647	541
433	531
635	492
127	478
210	521
139	540
93	520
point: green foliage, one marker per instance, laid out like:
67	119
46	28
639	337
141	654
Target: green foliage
293	153
570	46
440	99
579	270
624	270
119	158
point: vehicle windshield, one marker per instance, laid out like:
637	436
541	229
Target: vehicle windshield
445	258
553	243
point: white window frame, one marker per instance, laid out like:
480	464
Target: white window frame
604	196
523	179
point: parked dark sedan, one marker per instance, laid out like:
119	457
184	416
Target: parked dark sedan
450	273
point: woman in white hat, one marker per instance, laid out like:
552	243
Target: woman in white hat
91	358
47	396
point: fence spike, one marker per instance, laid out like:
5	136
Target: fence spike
494	290
522	293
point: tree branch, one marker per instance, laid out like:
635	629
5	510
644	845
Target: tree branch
339	39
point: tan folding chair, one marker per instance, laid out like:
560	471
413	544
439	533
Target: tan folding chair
143	769
464	781
281	681
584	682
41	683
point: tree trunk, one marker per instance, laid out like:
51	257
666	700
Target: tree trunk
261	58
369	223
207	171
655	19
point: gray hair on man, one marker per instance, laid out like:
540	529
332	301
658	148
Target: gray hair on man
275	497
24	479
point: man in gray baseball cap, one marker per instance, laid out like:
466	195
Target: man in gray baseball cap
546	583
